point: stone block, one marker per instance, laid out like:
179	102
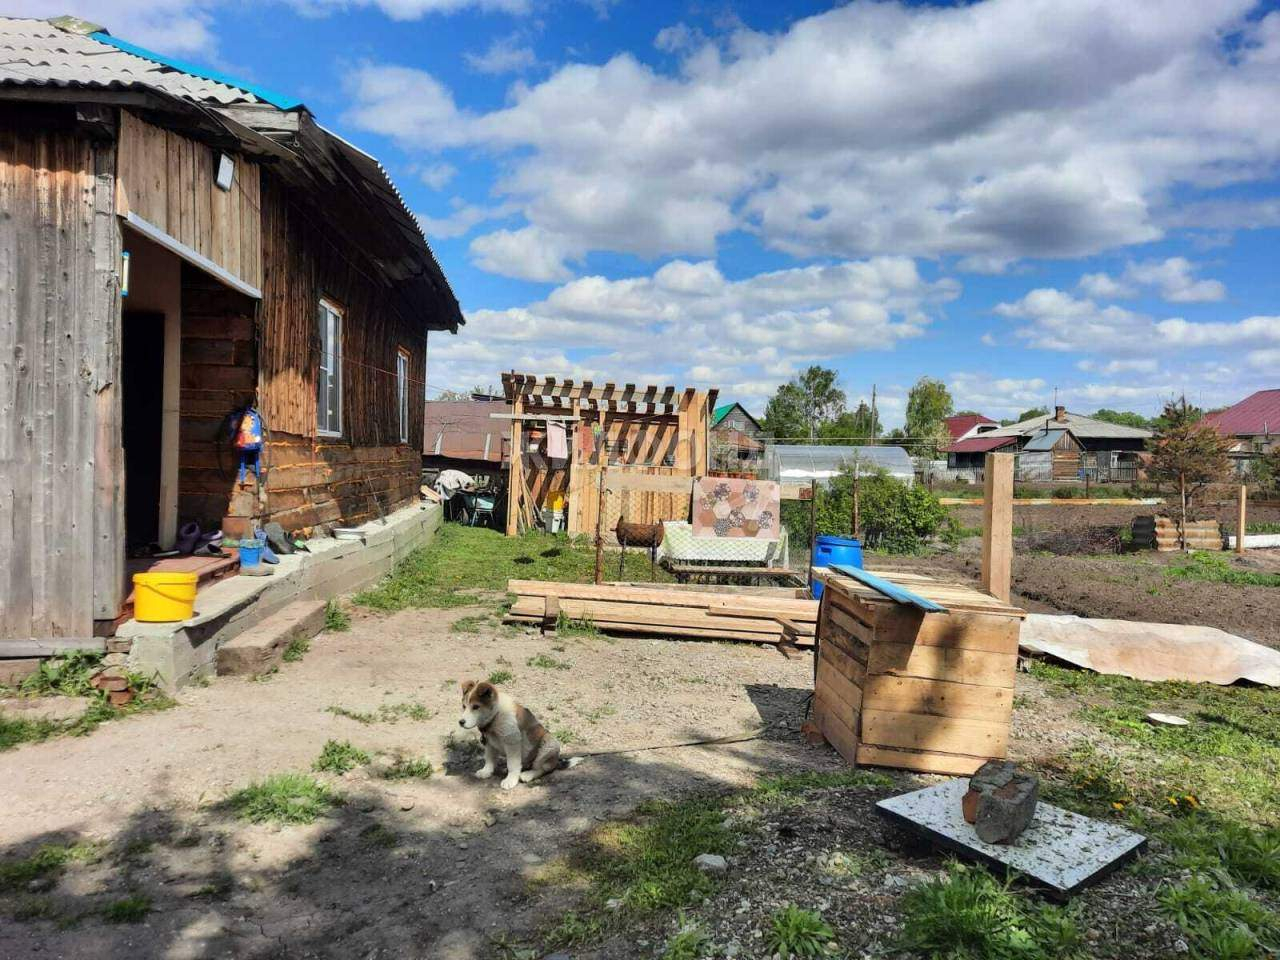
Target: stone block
261	647
1000	801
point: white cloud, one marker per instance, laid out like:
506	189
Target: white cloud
529	253
504	55
167	26
461	220
990	131
1055	320
438	175
411	9
694	325
1113	367
1172	279
997	396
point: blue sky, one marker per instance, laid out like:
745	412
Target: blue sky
1013	195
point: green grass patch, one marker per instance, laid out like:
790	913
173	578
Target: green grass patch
283	798
296	649
386	713
132	909
409	768
969	915
1265	526
793	932
544	661
50	860
690	942
66	676
500	676
19	730
16	730
462	560
336	617
339	756
471	624
1216	568
1220	921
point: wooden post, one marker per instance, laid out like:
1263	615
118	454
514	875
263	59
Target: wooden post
515	474
1240	523
599	525
857	518
997	525
813	533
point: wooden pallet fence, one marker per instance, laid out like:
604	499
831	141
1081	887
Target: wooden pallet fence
1161	534
897	687
622	608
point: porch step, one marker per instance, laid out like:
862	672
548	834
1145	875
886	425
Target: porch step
260	648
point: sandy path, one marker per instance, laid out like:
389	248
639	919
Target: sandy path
402	869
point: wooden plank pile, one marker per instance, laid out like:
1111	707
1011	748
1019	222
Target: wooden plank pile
766	616
899	687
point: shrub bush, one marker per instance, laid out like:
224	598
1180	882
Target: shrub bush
894	517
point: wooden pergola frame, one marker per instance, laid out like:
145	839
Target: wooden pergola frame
535	397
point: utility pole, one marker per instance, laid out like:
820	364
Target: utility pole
874	423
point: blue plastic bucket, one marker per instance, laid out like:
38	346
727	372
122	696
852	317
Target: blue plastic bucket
250	553
828	550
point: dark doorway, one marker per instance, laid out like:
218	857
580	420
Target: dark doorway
142	402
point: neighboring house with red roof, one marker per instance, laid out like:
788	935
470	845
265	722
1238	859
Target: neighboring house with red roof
463	435
1254	425
965	425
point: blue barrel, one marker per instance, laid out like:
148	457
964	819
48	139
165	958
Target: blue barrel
828	550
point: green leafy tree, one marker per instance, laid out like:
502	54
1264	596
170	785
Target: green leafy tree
1162	422
857	425
1125	418
928	405
1265	469
802	405
1188	452
893	516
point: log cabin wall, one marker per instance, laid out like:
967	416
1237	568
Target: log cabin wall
316	480
169	181
61	519
218	375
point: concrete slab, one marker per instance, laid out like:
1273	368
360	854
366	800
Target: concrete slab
1061	850
260	648
177	653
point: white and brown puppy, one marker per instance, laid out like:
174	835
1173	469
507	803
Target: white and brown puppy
507	730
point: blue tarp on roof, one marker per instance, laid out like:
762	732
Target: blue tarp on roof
1043	442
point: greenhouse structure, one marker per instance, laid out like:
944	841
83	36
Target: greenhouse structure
804	462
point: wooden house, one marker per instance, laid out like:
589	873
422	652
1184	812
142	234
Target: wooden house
647	430
737	441
177	245
1068	446
1252	427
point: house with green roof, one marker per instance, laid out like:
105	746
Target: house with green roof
737	440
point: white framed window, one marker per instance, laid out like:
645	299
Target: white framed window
402	391
329	374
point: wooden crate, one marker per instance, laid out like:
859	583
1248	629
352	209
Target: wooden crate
897	687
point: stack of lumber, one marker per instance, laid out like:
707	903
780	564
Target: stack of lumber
770	616
1161	534
925	691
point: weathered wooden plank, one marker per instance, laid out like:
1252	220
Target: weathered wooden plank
836	659
49	646
941	663
919	761
942	698
841	736
976	738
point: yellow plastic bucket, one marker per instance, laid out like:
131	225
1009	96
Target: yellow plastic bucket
164	597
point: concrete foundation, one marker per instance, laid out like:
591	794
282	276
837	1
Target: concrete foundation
178	653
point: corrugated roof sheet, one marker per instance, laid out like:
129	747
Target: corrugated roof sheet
1255	415
1044	441
961	424
463	430
981	444
1081	427
35	52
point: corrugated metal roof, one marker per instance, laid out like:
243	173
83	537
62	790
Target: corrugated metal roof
980	444
36	53
1044	441
1256	415
463	430
961	424
1084	428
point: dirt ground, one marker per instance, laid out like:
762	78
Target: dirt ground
408	869
1041	519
